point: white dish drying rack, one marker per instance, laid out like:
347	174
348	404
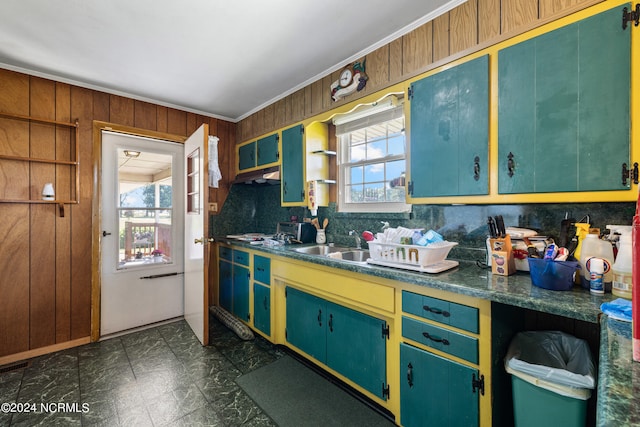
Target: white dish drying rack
425	259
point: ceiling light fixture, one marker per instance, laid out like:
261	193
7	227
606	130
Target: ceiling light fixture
132	154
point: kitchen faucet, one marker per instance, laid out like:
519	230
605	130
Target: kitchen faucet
355	234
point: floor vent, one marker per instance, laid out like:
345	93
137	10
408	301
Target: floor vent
14	367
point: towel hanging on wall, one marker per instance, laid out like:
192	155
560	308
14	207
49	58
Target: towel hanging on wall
214	168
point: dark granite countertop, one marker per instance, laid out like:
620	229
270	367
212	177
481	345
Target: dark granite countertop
466	279
618	376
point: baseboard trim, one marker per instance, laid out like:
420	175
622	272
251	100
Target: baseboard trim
12	358
141	328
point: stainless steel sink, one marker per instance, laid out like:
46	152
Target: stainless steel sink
355	255
336	252
320	249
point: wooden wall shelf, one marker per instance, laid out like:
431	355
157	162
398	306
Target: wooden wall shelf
73	162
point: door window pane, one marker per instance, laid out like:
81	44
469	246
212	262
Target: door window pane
193	182
145	209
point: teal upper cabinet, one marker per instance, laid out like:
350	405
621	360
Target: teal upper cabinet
259	153
267	150
292	167
449	132
247	156
563	113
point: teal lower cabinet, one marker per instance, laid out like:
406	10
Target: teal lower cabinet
435	391
241	278
306	324
356	347
233	281
262	308
347	341
225	281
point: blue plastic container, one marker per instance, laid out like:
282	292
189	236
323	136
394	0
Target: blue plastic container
553	275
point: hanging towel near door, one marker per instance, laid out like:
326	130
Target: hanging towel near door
214	168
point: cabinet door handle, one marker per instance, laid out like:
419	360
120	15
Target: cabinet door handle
436	311
320	317
331	322
511	165
476	168
444	341
266	307
410	374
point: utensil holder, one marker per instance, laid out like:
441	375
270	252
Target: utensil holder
321	237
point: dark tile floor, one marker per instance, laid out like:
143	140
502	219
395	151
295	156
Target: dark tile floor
155	377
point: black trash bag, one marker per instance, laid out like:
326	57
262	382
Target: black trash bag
552	360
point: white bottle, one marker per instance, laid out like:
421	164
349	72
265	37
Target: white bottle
596	272
593	246
622	284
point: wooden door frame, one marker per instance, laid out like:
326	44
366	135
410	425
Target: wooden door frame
96	207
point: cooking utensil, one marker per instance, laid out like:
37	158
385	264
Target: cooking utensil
493	233
502	232
314	221
325	222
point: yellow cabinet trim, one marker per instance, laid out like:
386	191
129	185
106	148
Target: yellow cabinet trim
331	284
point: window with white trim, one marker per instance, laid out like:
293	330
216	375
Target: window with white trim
372	162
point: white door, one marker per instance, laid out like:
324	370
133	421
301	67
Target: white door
142	216
196	232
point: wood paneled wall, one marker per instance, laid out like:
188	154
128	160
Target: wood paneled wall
474	25
45	259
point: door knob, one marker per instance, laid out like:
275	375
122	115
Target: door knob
203	241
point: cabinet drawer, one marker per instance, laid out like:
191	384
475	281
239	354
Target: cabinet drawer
445	312
262	269
240	257
225	253
450	342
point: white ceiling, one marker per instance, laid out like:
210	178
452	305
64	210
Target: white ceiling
225	59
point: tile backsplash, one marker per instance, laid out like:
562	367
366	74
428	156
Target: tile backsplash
252	208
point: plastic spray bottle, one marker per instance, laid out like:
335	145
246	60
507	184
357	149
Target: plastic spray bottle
582	229
622	279
593	246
